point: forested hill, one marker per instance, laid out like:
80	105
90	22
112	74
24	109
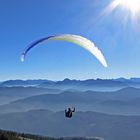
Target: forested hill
10	135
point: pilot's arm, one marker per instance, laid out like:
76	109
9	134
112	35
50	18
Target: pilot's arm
73	109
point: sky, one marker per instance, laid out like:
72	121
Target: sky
115	32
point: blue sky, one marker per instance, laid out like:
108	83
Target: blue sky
114	33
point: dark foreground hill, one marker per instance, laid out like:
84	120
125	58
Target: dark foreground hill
10	135
82	124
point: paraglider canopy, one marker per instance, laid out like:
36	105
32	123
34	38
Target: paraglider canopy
76	39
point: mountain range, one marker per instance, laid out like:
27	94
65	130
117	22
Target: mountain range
128	99
90	84
106	109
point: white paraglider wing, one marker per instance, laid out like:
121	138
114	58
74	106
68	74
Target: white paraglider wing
76	39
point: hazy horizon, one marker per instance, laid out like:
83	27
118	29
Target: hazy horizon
72	79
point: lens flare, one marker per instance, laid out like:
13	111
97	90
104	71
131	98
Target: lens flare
132	5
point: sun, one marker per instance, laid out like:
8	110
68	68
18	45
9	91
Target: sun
132	5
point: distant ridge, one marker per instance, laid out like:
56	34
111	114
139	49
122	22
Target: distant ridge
67	84
68	81
24	82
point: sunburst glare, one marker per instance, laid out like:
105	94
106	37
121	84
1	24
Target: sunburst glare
133	6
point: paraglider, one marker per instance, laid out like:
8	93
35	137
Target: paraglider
76	39
68	112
